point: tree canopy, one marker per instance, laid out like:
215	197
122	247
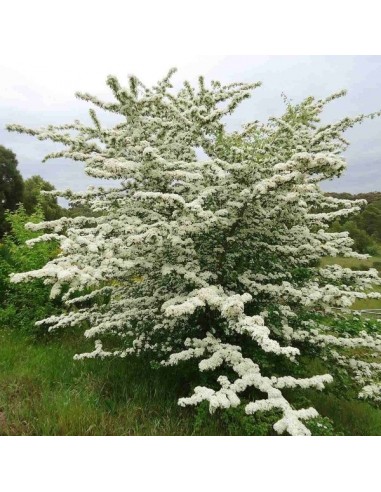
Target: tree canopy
11	185
33	197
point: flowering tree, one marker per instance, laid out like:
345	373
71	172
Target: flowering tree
216	259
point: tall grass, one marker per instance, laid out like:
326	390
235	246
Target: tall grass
44	392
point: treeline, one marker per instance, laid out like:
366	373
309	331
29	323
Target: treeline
21	201
25	195
15	191
364	228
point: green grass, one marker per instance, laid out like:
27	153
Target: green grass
44	392
368	303
356	263
351	416
350	262
354	418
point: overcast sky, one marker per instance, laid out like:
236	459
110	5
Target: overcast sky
41	70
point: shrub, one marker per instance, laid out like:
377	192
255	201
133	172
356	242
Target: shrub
214	260
362	241
21	305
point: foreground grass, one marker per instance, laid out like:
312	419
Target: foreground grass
44	392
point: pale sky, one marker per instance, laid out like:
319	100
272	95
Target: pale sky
61	52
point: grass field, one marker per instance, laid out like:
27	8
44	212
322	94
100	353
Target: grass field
44	392
351	262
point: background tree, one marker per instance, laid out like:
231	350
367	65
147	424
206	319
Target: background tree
370	220
365	227
11	185
32	198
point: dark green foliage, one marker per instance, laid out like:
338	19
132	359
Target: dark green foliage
365	228
13	191
21	305
370	220
370	197
353	325
235	422
32	198
363	242
79	211
11	186
322	426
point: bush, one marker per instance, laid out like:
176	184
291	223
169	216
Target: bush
22	305
362	241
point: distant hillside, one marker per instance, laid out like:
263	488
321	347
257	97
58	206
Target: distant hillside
364	228
372	196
